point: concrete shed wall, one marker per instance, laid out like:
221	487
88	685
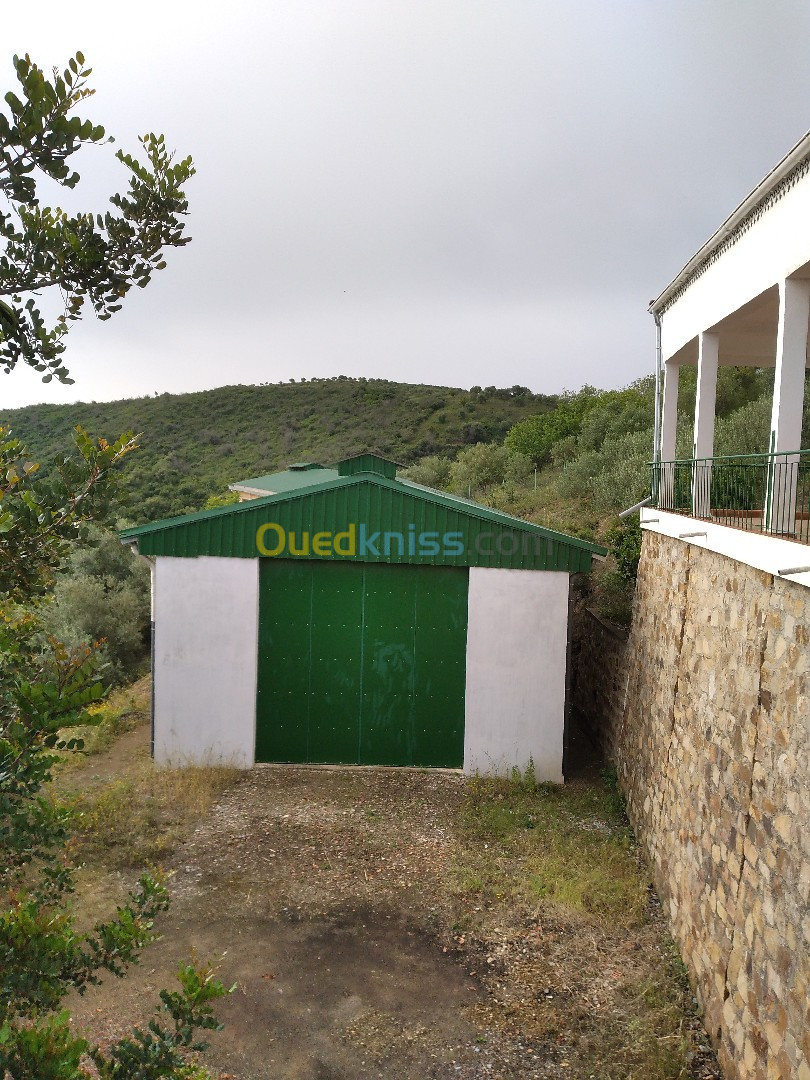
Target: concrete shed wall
516	665
206	623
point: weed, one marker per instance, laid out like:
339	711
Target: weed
558	866
568	844
610	778
139	820
525	779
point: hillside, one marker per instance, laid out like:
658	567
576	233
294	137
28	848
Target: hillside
194	445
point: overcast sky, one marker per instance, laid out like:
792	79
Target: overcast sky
447	191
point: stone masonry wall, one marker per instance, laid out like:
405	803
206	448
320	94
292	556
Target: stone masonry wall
705	711
599	686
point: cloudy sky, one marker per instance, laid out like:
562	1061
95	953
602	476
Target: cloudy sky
444	191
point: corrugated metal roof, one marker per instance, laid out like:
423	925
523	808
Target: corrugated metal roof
373	463
368	504
300	475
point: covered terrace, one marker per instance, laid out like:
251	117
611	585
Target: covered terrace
743	299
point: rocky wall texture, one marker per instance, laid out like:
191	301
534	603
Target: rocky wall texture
706	713
599	685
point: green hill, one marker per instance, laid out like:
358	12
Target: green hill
194	445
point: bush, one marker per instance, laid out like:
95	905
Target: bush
624	542
613	595
433	472
485	466
103	596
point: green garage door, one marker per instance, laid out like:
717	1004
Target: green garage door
361	663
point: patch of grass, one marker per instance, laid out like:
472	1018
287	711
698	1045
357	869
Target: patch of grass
115	825
127	812
122	711
654	1033
568	846
139	819
551	891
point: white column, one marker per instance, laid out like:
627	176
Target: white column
669	432
703	447
788	403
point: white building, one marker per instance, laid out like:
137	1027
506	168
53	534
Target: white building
742	299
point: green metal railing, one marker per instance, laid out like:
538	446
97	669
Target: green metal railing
767	493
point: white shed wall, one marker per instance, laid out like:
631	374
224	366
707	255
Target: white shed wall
774	247
206	613
517	634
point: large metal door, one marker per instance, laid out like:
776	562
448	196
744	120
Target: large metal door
361	663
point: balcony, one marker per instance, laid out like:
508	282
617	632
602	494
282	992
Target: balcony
756	493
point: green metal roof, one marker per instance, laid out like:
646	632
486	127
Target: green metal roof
373	463
295	476
299	475
369	518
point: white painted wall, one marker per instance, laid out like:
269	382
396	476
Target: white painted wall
769	553
773	248
206	613
516	660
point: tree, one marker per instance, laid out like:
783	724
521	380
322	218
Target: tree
41	515
103	595
481	467
80	257
535	436
42	955
433	471
45	694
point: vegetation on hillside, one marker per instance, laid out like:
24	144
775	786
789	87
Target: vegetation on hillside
570	462
194	445
575	466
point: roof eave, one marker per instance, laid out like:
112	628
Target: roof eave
798	154
260	492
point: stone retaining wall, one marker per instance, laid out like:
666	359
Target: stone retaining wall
599	684
705	710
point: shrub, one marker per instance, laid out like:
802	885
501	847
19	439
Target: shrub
103	596
433	471
487	465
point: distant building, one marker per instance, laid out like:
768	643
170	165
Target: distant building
294	476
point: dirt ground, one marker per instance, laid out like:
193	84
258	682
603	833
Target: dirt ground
333	899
